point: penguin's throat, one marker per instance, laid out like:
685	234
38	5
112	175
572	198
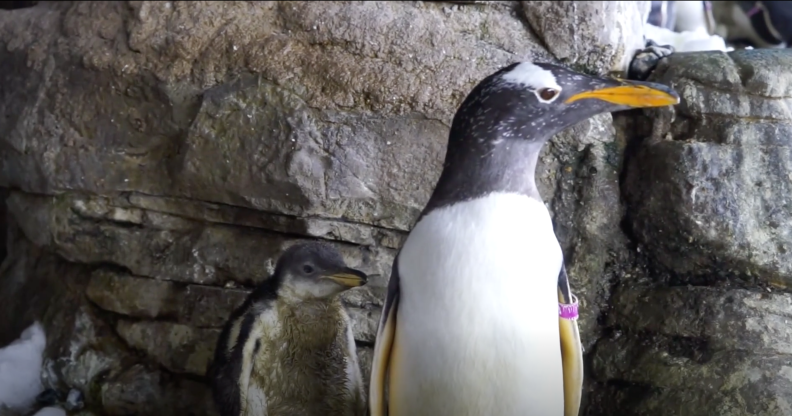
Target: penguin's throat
304	295
473	169
314	321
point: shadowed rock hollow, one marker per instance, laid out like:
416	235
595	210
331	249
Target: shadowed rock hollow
158	156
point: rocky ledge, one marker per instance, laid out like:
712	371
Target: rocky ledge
157	156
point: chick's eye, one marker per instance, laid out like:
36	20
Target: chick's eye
547	94
307	269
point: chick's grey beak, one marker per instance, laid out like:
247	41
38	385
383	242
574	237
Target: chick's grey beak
635	94
349	277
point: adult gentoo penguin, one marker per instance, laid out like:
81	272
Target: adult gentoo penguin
479	317
288	349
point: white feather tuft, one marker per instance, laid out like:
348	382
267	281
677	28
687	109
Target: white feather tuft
51	411
531	76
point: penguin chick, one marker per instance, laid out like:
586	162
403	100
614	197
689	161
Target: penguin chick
289	350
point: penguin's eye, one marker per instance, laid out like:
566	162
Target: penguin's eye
547	94
307	269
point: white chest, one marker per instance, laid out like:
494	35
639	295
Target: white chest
477	323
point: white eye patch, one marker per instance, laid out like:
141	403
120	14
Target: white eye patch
538	79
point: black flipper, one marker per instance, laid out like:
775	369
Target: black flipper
225	372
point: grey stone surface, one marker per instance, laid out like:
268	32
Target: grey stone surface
713	201
137	297
724	351
168	247
3	226
586	33
160	156
180	348
705	329
144	390
303	123
728	319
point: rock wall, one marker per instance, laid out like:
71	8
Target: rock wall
160	155
3	223
706	332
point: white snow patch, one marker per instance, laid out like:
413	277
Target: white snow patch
690	16
687	41
51	411
20	369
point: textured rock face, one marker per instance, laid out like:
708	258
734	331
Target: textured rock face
728	354
3	223
583	33
162	155
708	201
726	170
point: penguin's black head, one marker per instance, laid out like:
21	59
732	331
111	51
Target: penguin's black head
314	270
533	101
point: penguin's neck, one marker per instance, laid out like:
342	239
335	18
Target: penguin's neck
474	168
290	299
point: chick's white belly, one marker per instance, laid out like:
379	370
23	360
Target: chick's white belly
477	324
